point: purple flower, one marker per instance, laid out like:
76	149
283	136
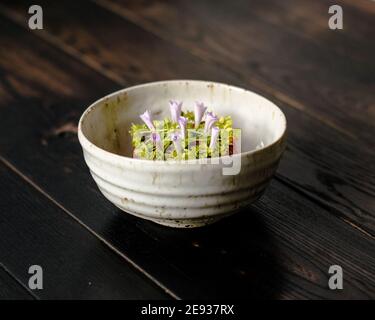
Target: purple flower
214	136
182	122
176	139
155	137
199	111
175	107
210	121
147	119
175	136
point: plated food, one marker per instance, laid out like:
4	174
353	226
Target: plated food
184	135
184	193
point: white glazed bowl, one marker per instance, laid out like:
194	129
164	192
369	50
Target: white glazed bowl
187	193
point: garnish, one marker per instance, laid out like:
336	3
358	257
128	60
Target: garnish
185	135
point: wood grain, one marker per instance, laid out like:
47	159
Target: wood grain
363	6
75	263
11	289
280	248
333	169
309	20
325	84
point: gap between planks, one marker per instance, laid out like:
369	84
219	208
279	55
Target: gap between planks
91	63
70	214
329	208
256	82
19	282
121	12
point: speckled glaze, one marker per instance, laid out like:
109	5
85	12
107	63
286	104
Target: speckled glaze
180	194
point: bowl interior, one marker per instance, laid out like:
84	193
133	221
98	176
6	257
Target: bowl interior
107	122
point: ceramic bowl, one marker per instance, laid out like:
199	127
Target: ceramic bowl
188	193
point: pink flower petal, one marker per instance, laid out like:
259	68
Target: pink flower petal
214	136
211	118
182	122
175	107
147	119
199	111
176	139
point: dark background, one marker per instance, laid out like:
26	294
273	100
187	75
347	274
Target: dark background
318	211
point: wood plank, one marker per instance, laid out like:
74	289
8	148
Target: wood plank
75	264
332	168
281	241
141	58
280	248
363	6
11	289
333	88
309	19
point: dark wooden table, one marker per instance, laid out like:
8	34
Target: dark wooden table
318	211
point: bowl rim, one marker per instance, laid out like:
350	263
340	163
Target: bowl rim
110	156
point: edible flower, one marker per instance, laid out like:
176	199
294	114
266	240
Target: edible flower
155	137
211	118
175	107
147	119
199	111
182	122
176	139
214	136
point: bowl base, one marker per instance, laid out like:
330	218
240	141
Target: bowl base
188	223
181	223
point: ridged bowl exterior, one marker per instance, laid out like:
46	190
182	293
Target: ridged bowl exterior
180	195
